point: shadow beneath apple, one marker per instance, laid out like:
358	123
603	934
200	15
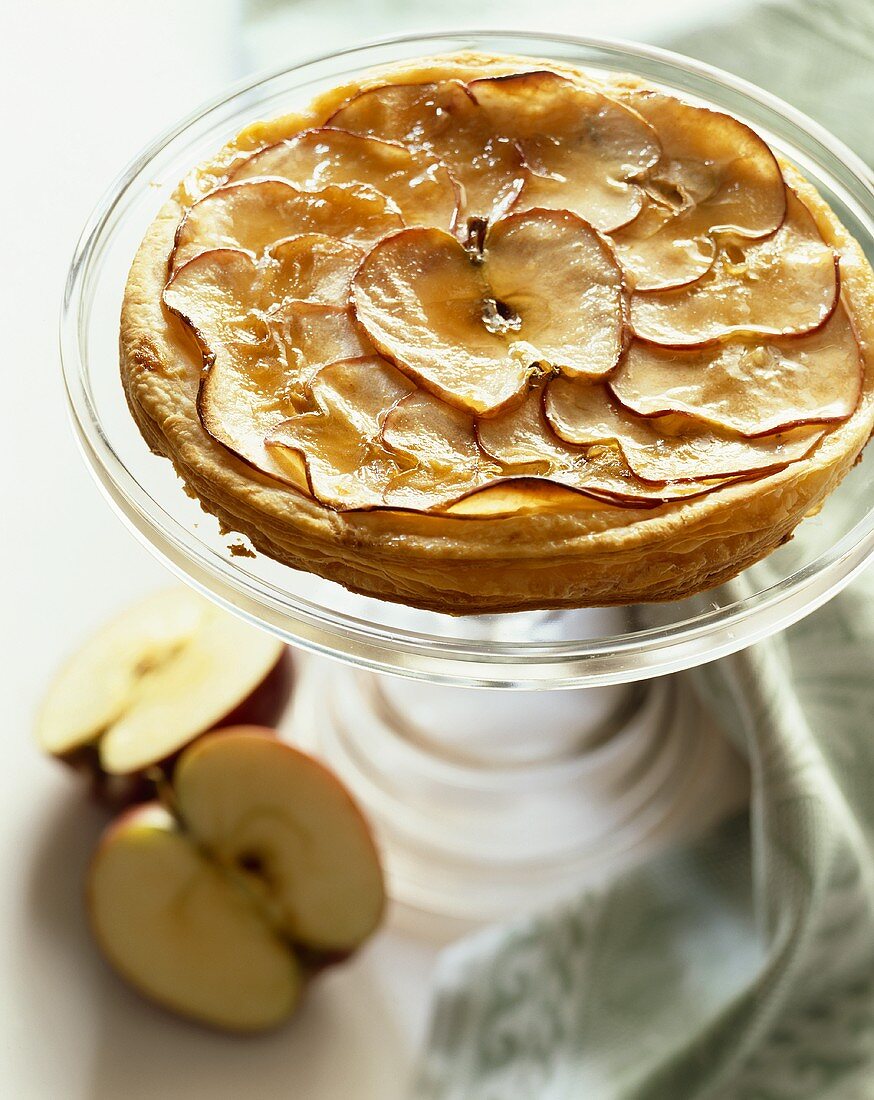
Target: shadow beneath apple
344	1041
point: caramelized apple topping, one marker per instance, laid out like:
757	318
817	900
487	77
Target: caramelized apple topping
715	176
254	214
784	285
657	450
749	387
514	294
545	295
421	188
583	151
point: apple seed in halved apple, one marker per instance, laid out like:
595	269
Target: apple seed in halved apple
151	681
217	906
423	190
540	290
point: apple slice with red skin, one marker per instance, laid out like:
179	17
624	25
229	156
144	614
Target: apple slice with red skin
715	176
153	680
422	189
443	121
524	443
252	215
541	289
785	285
749	387
219	905
669	449
338	441
260	345
583	150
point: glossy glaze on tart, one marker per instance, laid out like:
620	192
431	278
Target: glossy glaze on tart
486	334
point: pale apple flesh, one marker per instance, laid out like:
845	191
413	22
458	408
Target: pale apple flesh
221	903
162	674
423	190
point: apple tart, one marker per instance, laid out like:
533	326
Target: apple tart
480	334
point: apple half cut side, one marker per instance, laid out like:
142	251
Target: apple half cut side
753	387
443	121
153	680
784	285
254	214
715	176
221	906
539	290
669	449
422	189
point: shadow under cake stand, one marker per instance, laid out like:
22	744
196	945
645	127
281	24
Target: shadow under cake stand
485	801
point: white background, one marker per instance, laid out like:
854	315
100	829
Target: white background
83	86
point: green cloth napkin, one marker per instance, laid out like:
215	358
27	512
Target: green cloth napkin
740	967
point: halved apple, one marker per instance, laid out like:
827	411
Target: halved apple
421	188
472	325
784	285
444	121
339	441
583	150
218	907
261	348
254	214
153	680
669	449
750	387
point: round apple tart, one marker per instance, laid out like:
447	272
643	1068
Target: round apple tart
479	334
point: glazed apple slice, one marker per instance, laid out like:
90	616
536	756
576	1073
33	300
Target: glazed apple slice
753	388
584	150
217	909
164	672
473	325
715	176
254	214
260	349
669	449
443	121
784	285
339	441
422	189
311	267
437	445
523	442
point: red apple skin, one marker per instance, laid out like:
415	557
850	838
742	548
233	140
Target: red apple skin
263	707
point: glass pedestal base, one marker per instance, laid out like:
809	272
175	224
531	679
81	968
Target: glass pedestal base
488	806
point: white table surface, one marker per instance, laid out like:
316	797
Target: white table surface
83	86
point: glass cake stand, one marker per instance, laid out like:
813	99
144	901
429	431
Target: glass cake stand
484	802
